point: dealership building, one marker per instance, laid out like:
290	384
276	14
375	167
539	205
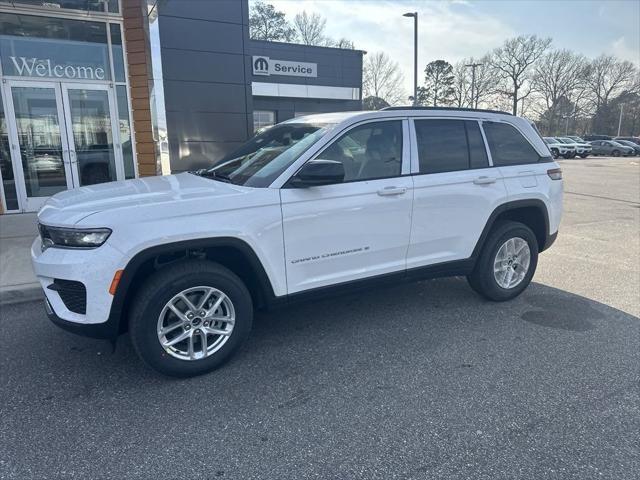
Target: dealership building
105	90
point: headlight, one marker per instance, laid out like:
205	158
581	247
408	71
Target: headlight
72	238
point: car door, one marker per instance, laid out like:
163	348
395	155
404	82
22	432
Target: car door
455	190
522	167
360	227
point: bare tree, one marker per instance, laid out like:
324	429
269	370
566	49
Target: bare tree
266	23
609	76
382	79
558	78
461	85
513	62
343	43
310	29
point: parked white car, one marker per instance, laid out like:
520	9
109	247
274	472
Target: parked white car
559	149
315	205
582	149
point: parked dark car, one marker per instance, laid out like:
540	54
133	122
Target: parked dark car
635	140
609	147
591	138
627	143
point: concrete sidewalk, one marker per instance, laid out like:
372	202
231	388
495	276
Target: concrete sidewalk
17	281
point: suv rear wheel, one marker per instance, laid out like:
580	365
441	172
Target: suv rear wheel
190	317
507	262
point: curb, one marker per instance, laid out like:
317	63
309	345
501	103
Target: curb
27	292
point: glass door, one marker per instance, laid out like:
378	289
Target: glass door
90	126
41	158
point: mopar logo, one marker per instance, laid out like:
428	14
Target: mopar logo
261	65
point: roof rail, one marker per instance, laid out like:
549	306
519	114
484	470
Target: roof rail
455	109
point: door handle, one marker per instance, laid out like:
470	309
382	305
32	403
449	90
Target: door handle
388	191
484	180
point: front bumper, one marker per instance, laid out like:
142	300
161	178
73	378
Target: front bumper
94	268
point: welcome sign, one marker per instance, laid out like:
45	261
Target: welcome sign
44	67
268	66
57	59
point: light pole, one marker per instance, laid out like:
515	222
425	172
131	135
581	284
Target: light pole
473	81
415	55
620	120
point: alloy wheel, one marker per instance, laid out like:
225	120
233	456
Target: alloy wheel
196	323
512	262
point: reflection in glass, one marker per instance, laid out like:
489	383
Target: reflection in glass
85	5
125	132
39	140
59	48
92	136
116	47
6	169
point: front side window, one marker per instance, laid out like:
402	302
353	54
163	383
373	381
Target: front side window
263	158
449	145
369	151
508	146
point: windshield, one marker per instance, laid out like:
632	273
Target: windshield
263	158
565	140
549	140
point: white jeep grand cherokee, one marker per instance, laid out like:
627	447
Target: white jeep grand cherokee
318	204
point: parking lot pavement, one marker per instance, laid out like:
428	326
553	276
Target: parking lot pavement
418	381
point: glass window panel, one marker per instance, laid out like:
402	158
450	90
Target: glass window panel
85	5
92	136
370	151
116	47
6	166
508	146
38	126
442	145
59	48
477	149
125	132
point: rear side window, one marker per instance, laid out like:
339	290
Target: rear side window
449	145
477	151
508	146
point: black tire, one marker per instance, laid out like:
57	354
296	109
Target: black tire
584	155
483	280
163	285
554	153
616	153
566	156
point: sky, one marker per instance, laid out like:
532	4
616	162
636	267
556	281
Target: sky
457	29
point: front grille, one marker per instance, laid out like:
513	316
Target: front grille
73	294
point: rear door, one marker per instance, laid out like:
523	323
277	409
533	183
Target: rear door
360	227
455	190
524	170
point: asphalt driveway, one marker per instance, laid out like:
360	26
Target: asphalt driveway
418	381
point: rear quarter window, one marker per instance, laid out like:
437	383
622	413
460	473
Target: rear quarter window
508	146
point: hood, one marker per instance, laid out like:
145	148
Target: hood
139	195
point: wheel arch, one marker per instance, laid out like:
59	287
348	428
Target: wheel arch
532	212
233	253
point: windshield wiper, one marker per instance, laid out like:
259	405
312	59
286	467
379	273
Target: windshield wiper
213	174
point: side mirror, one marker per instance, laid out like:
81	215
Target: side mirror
318	172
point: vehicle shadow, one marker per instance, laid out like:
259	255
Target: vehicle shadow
390	322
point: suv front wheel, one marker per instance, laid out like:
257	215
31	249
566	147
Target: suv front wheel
190	317
507	262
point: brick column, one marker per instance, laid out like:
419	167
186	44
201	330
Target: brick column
140	76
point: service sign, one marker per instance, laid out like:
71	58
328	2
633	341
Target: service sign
268	66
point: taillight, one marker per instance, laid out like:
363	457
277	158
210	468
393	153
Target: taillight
555	173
